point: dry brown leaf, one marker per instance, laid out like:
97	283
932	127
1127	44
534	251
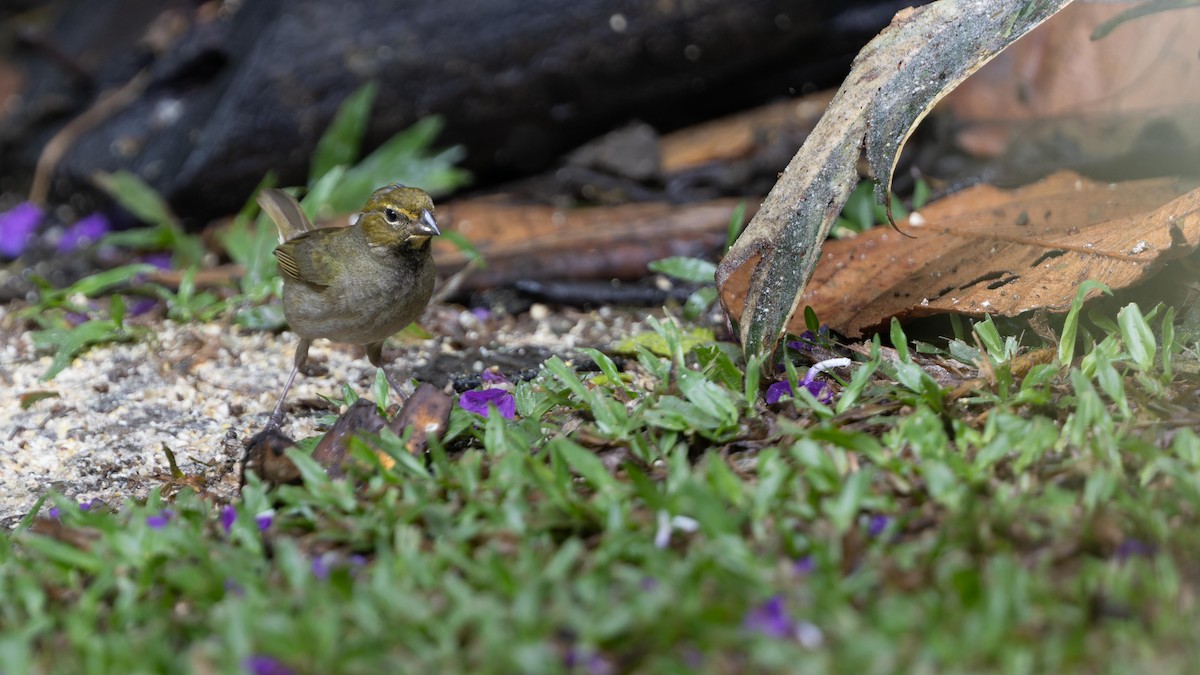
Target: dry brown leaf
543	242
427	412
893	83
991	251
1059	85
739	135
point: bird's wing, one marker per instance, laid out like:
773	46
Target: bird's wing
285	212
314	265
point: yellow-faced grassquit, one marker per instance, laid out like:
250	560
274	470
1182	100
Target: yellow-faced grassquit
358	284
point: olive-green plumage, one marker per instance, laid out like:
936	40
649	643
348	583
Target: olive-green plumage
358	284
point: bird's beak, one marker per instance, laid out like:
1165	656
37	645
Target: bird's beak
424	228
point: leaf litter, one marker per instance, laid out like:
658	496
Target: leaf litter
990	251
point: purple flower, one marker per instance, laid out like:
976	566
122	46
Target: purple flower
820	390
804	565
591	661
481	313
478	400
83	232
76	318
261	664
17	226
804	344
264	520
878	524
1131	548
160	519
770	619
778	390
228	517
160	260
54	512
87	506
492	377
807	339
141	306
321	567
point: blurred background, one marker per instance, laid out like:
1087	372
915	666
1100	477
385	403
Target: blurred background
517	113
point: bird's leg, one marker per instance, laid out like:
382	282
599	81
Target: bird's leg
297	363
375	356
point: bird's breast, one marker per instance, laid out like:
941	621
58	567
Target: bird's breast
376	300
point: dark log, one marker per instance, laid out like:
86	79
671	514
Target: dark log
249	87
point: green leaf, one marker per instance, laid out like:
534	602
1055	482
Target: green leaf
899	341
465	245
920	194
737	221
404	158
607	367
672	412
340	143
717	362
708	397
67	343
1168	340
311	471
858	381
692	270
1137	336
811	322
751	382
116	311
137	197
843	509
657	344
317	204
1066	345
91	285
699	302
261	317
250	242
585	463
611	417
383	391
64	554
989	335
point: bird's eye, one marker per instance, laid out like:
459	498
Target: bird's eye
391	215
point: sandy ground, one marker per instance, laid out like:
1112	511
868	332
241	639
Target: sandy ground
200	389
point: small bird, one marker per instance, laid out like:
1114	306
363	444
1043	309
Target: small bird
358	284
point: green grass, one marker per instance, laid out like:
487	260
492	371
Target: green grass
1042	523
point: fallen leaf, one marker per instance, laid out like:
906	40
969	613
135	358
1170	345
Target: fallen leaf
739	135
893	83
31	397
361	417
533	241
991	251
266	456
1088	100
427	412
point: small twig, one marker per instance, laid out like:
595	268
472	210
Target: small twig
108	104
175	472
